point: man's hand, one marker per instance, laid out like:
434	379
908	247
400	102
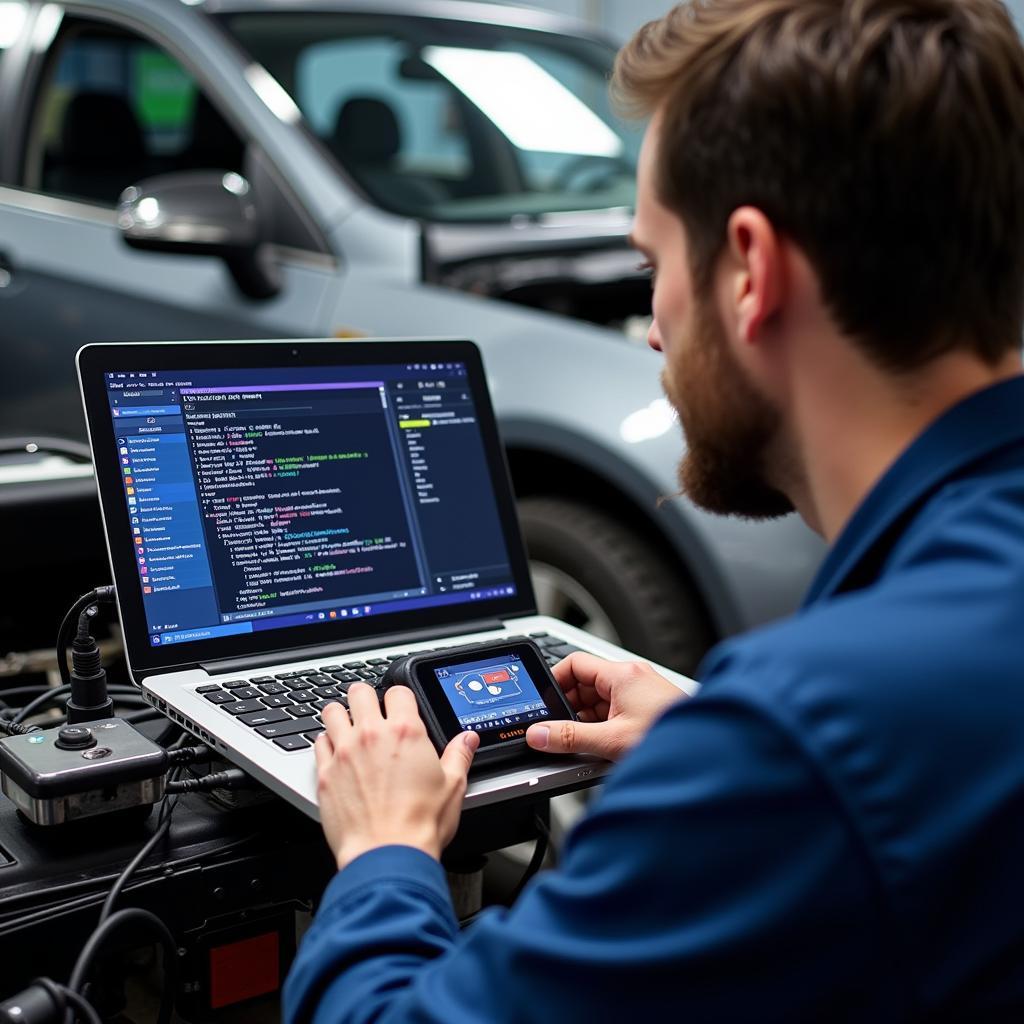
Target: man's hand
616	702
379	780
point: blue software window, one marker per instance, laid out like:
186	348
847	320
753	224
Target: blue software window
267	498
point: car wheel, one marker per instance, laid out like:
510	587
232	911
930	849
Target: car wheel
602	576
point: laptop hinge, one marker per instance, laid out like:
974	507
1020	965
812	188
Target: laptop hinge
322	651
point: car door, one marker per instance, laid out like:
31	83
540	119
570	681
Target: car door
108	106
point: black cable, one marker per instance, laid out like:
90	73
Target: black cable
40	702
188	755
83	1008
163	827
122	879
230	778
59	995
540	849
16	728
132	915
21	690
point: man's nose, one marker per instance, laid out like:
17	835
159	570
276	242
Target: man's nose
654	336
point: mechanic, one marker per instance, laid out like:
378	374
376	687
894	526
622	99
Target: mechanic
831	193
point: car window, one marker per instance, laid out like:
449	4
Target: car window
333	77
114	109
450	120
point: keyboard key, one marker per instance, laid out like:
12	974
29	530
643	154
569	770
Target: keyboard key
219	697
319	680
265	717
326	691
234	684
368	674
292	728
377	661
537	636
299	684
321	704
302	696
561	651
550	641
276	700
330	668
298	710
311	736
246	693
208	689
292	743
243	707
345	677
273	687
284	675
258	680
394	657
353	664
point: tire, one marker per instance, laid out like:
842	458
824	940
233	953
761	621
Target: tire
599	574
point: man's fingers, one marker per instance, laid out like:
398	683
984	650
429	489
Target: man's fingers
590	676
336	721
363	704
400	703
603	739
323	749
458	755
595	713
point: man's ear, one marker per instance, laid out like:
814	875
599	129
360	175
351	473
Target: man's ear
757	271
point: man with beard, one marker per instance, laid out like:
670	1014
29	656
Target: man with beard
831	198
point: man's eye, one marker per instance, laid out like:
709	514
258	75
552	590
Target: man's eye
647	269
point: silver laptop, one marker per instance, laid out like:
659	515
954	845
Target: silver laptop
284	518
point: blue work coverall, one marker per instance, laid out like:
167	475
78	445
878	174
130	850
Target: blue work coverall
831	830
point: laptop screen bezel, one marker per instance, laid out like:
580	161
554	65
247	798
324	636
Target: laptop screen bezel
95	361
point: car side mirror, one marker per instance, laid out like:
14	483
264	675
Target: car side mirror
201	213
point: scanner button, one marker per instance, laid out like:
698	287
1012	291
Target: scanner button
75	737
96	753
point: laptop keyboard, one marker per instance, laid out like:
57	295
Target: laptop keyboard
285	707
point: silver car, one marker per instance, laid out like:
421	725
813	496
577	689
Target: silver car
174	169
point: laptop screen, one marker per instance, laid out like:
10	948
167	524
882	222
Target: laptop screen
259	499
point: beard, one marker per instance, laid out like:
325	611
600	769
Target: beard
730	427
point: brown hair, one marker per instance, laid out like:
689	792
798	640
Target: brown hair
884	137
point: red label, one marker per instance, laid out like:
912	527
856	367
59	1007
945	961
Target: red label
245	969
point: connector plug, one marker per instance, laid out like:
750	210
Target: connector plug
89	700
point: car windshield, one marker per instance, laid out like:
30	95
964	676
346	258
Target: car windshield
453	121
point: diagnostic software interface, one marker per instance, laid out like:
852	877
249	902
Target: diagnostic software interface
492	692
259	499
